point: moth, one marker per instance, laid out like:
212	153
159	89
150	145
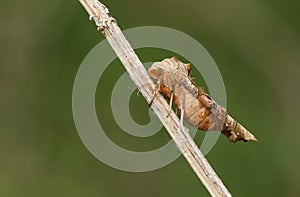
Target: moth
174	82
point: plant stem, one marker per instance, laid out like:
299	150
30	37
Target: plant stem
108	27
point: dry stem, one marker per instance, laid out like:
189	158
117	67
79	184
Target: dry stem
109	28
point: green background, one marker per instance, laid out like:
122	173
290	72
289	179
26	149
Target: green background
255	44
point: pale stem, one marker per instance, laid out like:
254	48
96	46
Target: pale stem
109	28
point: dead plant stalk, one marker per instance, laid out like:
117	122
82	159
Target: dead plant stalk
107	25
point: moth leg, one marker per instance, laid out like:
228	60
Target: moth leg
182	112
181	118
170	105
153	96
157	87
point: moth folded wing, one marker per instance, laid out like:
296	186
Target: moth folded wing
215	113
190	105
238	132
222	121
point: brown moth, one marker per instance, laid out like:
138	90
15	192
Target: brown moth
197	108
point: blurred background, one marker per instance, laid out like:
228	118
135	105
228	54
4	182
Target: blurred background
255	43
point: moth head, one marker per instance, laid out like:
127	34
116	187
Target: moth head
156	70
